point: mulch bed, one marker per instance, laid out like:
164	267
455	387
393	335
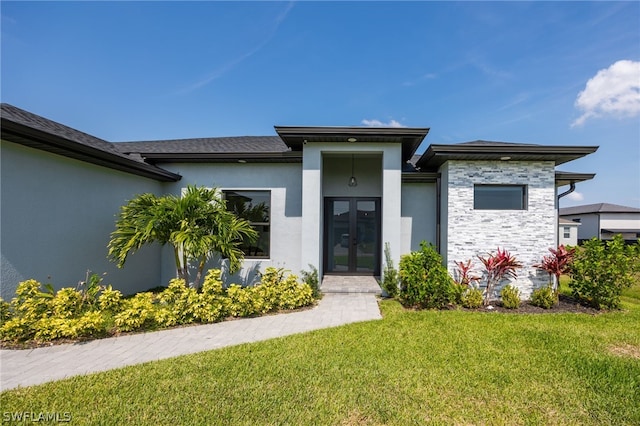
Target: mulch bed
566	304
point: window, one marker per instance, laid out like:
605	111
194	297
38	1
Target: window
566	231
255	207
500	197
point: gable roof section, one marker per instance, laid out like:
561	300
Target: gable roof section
410	138
436	155
568	222
597	208
22	127
223	149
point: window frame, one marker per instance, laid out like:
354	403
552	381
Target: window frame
266	224
478	202
566	232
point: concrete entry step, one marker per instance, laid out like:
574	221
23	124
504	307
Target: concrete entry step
349	284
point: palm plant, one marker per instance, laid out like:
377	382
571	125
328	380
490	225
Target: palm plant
197	225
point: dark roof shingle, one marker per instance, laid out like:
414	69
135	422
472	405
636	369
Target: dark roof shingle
597	208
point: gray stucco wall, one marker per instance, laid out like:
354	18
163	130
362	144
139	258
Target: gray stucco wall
589	225
527	234
336	171
418	215
56	217
284	181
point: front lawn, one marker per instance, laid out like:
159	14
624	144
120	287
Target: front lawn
443	367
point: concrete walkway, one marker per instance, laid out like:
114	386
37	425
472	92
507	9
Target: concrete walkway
35	366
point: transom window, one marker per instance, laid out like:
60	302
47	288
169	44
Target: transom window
255	207
500	197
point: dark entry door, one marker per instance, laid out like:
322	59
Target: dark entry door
352	236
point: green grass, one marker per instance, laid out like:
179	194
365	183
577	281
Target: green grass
440	367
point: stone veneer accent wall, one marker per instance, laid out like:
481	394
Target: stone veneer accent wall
527	234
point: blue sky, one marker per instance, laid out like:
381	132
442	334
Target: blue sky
558	73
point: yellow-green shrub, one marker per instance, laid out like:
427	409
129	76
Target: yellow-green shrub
177	304
510	296
472	298
137	312
241	301
110	300
66	303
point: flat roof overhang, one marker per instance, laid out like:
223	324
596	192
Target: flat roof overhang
436	155
410	138
568	178
44	141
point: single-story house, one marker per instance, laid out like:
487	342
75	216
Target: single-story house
604	220
567	232
333	197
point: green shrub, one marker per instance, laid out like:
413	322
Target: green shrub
510	296
390	277
472	298
544	297
138	312
601	270
312	280
425	282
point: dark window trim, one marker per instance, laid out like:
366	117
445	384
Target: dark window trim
268	223
525	195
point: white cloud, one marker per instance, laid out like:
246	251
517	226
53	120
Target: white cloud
576	196
378	123
612	92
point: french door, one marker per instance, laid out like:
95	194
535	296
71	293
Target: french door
352	236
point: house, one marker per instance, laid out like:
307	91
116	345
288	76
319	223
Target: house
604	220
568	232
330	197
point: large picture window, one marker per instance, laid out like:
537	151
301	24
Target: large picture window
255	207
500	197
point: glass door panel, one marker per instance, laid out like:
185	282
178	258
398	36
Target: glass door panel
352	236
366	250
339	236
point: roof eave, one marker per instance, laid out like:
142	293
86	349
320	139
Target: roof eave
567	178
436	155
41	140
410	137
224	157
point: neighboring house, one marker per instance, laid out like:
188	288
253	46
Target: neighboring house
330	197
567	232
604	220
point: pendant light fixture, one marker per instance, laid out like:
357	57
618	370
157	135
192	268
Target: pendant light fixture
352	180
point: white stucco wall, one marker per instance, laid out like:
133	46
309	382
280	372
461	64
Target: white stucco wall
629	221
526	234
56	217
284	181
572	240
418	215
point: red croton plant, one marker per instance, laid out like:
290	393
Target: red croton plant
557	263
498	266
464	276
